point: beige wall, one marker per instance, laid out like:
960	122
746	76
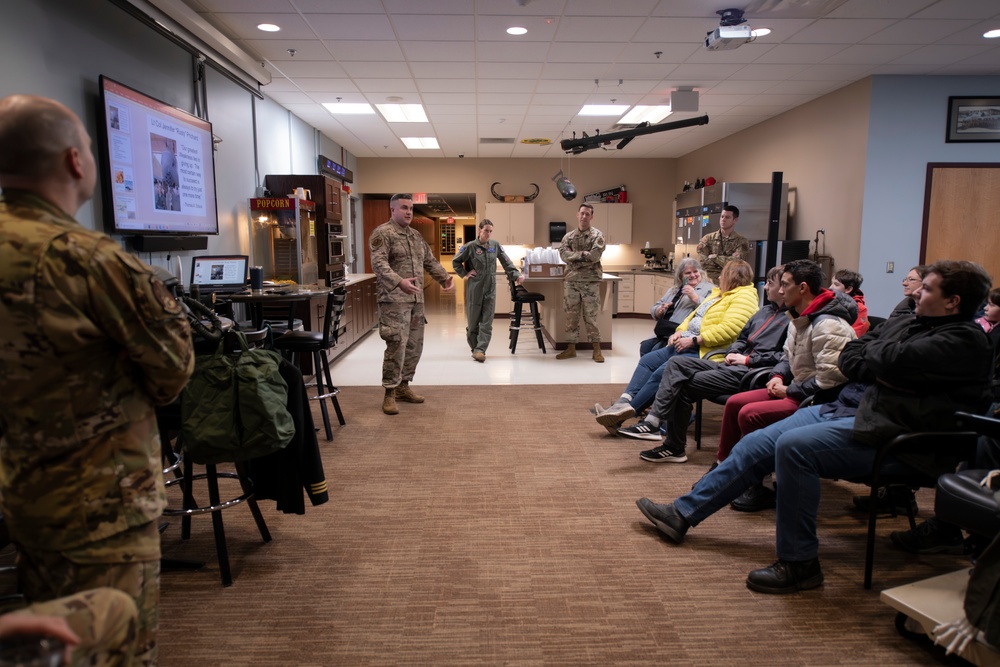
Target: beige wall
821	149
649	183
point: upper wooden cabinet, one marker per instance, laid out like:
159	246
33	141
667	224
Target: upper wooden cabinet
512	223
614	221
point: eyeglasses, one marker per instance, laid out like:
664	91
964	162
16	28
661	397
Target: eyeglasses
911	280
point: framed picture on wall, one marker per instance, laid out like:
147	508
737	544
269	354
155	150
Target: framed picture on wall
973	119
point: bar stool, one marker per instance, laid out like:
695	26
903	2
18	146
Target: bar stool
317	343
520	296
168	420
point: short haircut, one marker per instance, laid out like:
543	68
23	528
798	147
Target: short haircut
34	134
484	222
585	205
806	271
774	273
994	297
685	264
850	279
966	280
732	209
921	270
398	196
735	273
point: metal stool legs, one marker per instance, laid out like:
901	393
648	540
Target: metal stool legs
321	366
515	325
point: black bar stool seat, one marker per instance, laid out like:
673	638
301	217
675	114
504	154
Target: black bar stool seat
520	296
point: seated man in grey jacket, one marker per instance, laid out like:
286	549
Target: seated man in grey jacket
911	374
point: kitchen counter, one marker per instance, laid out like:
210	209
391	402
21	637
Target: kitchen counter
554	316
355	278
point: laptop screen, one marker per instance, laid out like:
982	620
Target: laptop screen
225	272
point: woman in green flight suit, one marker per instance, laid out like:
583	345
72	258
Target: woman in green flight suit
476	261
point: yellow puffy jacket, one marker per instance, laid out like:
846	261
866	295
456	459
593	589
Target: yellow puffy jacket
725	318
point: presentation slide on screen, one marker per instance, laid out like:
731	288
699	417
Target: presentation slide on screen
161	165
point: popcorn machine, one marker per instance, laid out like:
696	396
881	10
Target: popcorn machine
283	238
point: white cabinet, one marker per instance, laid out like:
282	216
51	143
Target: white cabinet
614	221
661	284
626	293
512	223
645	295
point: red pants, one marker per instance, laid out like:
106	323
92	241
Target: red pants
748	411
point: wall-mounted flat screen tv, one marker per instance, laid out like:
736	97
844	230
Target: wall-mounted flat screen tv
159	166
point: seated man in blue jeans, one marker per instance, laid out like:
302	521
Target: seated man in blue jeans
912	374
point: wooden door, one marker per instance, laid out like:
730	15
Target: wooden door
375	212
960	215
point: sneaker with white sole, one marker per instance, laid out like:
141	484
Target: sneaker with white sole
664	454
616	415
641	431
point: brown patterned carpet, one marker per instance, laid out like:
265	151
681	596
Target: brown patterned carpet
497	526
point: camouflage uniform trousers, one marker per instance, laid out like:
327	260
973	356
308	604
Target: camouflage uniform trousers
104	619
46	576
401	326
582	298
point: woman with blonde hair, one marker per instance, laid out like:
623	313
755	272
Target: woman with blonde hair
711	328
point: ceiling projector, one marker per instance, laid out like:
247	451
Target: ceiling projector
728	37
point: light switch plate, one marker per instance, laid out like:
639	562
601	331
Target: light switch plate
890	267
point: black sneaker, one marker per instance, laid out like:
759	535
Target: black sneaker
758	497
891	500
641	431
664	454
665	518
785	576
930	537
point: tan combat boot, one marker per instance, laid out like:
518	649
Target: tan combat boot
389	402
598	357
405	394
568	353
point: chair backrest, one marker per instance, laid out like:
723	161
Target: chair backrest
336	301
874	321
516	290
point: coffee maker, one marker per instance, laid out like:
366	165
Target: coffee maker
654	259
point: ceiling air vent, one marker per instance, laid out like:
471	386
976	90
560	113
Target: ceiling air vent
496	140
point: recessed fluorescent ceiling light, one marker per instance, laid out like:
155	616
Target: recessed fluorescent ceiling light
760	32
403	113
348	108
991	34
268	27
641	114
420	142
517	30
603	109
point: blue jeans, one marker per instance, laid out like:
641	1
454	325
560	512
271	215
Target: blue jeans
646	377
801	449
651	344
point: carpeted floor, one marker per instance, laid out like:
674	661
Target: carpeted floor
497	526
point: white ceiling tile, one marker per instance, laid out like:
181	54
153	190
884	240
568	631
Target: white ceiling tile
568	99
435	111
777	100
352	26
439	51
670	54
878	9
447	85
629	71
747	53
605	8
592	29
455	69
578	52
386	86
449	98
509	70
740	87
502	52
245	25
371	51
586	72
436	7
308	68
493	28
918	31
337	7
940	54
869	54
986	58
826	72
696	72
305	49
503	98
325	85
838	31
241	5
805	87
507	85
508	111
800	53
433	27
397	70
969	69
289	97
960	9
772	72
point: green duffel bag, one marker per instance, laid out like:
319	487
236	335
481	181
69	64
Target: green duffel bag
234	406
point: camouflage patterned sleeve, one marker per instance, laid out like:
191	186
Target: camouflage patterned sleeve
597	246
432	266
378	245
135	310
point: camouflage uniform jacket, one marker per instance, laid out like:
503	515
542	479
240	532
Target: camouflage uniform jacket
398	253
583	269
724	249
90	342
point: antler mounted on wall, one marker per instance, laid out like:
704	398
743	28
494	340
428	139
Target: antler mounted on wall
514	198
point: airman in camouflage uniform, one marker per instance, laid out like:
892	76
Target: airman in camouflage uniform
399	258
99	626
91	341
716	249
477	261
581	250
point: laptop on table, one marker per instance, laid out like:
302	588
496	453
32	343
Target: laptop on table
222	274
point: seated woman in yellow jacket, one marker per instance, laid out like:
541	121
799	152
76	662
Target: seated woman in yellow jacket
711	328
